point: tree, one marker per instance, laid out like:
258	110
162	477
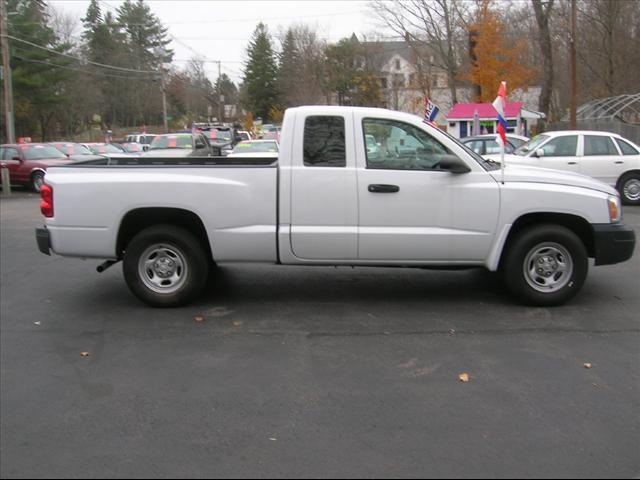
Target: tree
260	73
497	57
342	70
288	70
543	9
38	75
434	28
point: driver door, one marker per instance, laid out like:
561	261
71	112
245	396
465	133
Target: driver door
411	210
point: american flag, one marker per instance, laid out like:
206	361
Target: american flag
500	104
430	111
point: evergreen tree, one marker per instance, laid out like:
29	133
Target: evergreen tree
38	75
260	75
288	70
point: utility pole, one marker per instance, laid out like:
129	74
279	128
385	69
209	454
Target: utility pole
7	77
164	99
219	94
574	82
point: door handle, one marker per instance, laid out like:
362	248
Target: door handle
382	188
619	162
572	163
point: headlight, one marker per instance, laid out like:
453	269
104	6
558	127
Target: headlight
614	209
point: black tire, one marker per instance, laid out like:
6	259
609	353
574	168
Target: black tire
165	266
37	180
629	188
545	265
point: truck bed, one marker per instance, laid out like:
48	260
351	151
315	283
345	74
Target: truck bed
236	203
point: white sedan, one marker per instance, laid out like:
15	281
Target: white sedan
602	155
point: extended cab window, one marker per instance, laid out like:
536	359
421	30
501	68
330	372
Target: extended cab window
324	143
599	145
401	146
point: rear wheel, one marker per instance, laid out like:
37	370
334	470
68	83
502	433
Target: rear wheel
165	266
545	265
629	188
37	180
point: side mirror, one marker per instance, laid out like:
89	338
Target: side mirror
540	152
453	164
16	158
145	147
238	139
200	145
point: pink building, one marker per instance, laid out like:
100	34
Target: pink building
462	116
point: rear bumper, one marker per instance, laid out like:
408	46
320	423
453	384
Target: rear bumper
614	243
44	240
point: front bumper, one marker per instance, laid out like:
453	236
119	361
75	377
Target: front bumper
44	240
613	243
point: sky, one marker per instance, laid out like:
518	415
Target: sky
221	30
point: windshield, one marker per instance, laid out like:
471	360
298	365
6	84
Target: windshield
256	147
531	145
72	149
220	135
132	147
172	141
42	152
102	148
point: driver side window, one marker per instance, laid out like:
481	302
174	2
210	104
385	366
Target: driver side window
401	146
561	146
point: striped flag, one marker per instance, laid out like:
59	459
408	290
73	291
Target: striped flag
500	104
430	111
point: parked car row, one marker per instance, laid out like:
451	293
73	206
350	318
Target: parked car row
605	156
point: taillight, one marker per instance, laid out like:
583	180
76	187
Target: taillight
46	205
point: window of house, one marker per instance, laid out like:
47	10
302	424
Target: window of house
324	141
383	82
397	64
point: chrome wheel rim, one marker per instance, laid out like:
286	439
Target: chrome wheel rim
163	268
548	267
631	189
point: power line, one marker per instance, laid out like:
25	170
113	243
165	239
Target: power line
102	74
82	60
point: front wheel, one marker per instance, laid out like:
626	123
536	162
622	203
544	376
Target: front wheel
545	265
629	188
165	266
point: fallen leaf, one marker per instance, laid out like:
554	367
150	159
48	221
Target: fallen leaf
273	439
588	365
237	323
199	318
464	377
37	323
452	332
85	354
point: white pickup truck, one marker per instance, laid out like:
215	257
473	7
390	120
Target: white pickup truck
418	199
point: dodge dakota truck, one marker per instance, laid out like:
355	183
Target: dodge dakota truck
421	199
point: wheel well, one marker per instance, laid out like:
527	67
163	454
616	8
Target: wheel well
576	224
637	172
137	220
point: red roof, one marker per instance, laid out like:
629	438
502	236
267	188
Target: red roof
465	111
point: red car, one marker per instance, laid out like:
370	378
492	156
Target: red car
28	162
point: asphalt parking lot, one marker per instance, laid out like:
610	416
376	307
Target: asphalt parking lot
311	372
